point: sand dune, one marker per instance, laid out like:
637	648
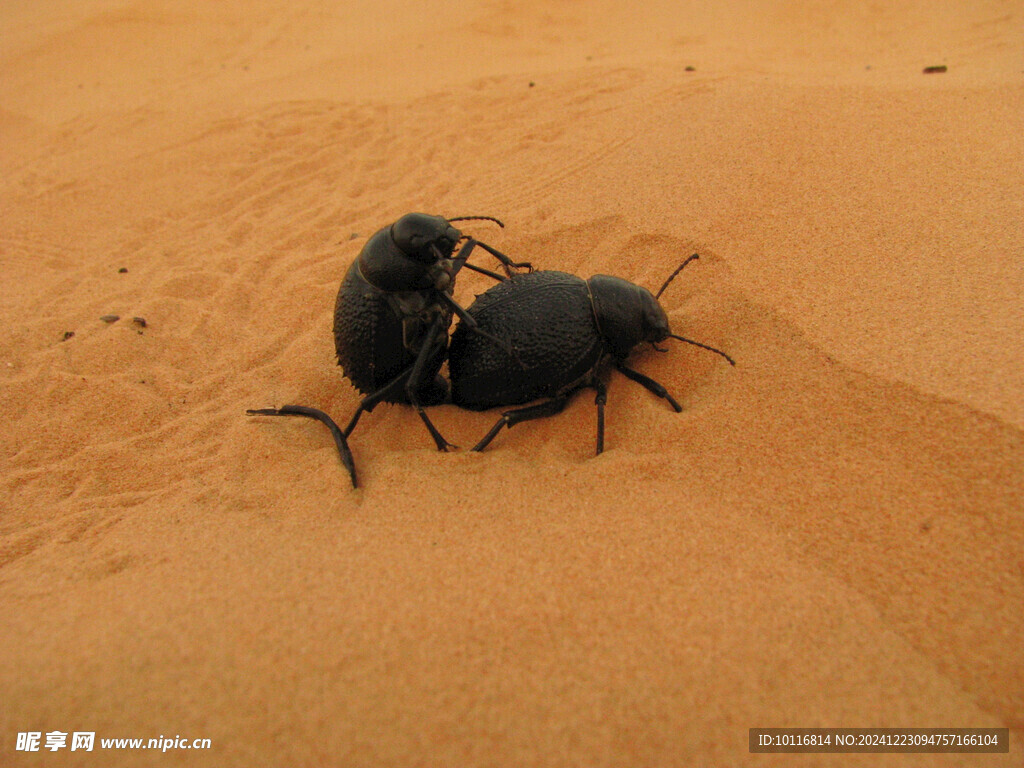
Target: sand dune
830	534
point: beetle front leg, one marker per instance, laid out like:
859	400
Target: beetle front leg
649	384
505	260
413	383
460	260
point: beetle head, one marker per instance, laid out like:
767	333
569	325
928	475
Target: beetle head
627	314
425	238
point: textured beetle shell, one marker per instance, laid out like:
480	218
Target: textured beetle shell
368	337
548	318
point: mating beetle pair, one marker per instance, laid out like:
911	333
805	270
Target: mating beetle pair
531	336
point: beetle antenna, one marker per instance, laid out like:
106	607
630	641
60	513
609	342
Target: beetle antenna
702	346
478	218
673	275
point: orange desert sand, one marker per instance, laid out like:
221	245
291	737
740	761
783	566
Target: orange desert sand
829	534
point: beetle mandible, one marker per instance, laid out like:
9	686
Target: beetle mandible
392	315
564	329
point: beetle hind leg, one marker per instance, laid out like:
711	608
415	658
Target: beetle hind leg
313	413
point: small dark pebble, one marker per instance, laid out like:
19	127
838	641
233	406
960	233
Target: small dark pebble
139	321
691	69
68	335
532	83
935	70
110	318
353	236
122	270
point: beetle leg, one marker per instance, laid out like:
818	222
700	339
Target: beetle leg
489	273
372	400
387	392
473	326
511	418
460	260
313	413
649	384
405	380
413	383
599	401
458	309
505	260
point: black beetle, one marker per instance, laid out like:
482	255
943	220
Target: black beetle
392	315
563	329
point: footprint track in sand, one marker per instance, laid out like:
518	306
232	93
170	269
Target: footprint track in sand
301	154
